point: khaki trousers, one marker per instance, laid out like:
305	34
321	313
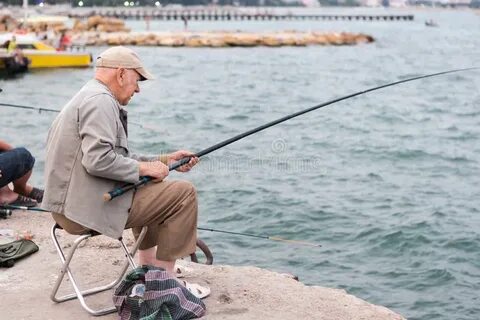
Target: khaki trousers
168	208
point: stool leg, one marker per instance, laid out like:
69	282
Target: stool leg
131	254
65	267
81	294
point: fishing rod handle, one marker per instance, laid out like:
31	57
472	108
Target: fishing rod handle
178	163
125	188
143	180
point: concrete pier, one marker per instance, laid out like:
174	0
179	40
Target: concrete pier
203	14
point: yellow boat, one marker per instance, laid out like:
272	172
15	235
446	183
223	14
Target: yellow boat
42	55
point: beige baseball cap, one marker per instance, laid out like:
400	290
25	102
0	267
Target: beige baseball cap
123	57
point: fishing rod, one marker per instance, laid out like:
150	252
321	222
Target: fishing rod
302	243
143	180
6	210
57	111
13	207
27	107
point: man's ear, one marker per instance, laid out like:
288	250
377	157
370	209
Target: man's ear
121	76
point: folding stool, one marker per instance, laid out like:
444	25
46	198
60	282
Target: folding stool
79	294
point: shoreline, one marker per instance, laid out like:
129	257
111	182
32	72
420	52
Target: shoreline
237	292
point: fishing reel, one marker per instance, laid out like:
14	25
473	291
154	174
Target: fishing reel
5	213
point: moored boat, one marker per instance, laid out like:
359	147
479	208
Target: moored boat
42	55
13	64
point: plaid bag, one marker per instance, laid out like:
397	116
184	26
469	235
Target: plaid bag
151	293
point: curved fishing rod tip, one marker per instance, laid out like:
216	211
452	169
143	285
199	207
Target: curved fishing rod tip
107	197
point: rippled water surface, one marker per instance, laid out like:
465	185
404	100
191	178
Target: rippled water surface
387	182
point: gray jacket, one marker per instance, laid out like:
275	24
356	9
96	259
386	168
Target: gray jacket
87	155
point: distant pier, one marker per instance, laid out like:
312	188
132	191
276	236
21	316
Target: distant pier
227	15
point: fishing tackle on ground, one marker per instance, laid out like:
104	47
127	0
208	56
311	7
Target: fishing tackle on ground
5	213
12	207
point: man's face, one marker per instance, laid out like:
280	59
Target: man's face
129	85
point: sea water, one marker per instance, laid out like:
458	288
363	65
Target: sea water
386	182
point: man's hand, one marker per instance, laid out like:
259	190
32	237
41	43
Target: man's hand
178	155
155	169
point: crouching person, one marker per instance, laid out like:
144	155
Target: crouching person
16	165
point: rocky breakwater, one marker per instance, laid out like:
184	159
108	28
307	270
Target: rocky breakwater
221	39
57	24
100	31
100	24
37	25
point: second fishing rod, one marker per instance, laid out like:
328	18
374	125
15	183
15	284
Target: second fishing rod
143	180
40	110
6	210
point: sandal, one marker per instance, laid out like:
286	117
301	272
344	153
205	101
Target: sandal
196	289
181	271
36	194
23	201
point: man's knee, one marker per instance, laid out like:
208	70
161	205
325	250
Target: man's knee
26	158
185	188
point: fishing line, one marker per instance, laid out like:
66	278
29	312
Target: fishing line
143	180
302	243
